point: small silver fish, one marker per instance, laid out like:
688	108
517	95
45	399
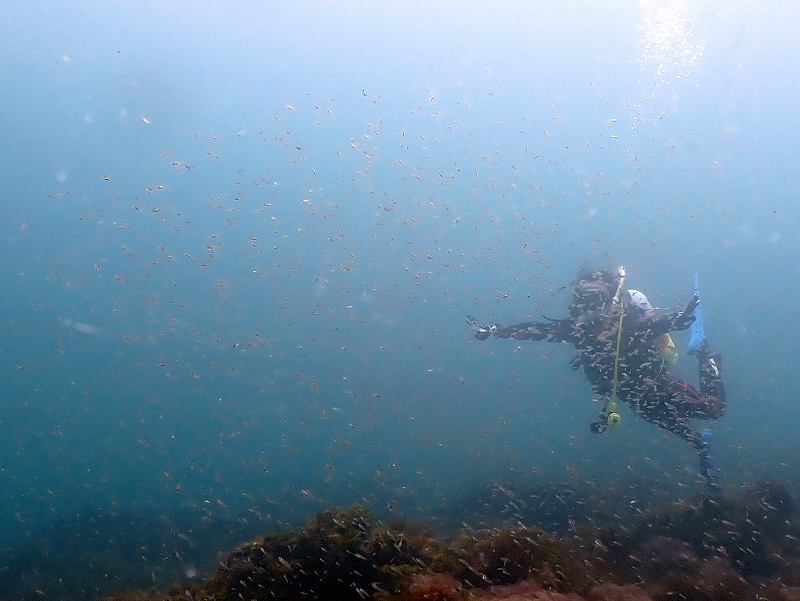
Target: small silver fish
78	326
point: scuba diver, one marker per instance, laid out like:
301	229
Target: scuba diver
625	351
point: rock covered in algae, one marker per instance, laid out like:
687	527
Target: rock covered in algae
507	555
340	554
709	550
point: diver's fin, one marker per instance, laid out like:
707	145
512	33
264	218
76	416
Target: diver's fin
698	331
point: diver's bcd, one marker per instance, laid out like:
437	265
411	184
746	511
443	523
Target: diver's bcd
669	353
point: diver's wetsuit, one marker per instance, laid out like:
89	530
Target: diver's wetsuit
644	381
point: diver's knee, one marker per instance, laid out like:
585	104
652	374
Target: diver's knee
716	409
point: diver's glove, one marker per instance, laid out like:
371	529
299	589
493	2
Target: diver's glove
686	317
692	304
482	331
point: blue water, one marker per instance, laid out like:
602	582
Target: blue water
239	242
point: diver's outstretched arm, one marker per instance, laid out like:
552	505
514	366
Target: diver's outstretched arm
674	322
554	331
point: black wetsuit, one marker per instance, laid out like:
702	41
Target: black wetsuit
644	381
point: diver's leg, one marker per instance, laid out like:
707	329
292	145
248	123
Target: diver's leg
701	444
711	385
686	401
670	420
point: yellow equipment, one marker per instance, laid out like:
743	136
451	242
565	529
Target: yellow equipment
612	417
668	351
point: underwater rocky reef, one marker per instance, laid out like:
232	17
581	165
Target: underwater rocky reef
741	547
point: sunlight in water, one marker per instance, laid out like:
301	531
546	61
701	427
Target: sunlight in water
670	48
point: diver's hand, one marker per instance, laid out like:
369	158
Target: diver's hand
686	317
692	304
482	332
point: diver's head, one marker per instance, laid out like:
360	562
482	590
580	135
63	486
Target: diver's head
636	303
592	291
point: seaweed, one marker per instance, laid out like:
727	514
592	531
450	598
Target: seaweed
708	549
508	555
340	554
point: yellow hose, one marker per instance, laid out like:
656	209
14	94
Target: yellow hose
611	406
